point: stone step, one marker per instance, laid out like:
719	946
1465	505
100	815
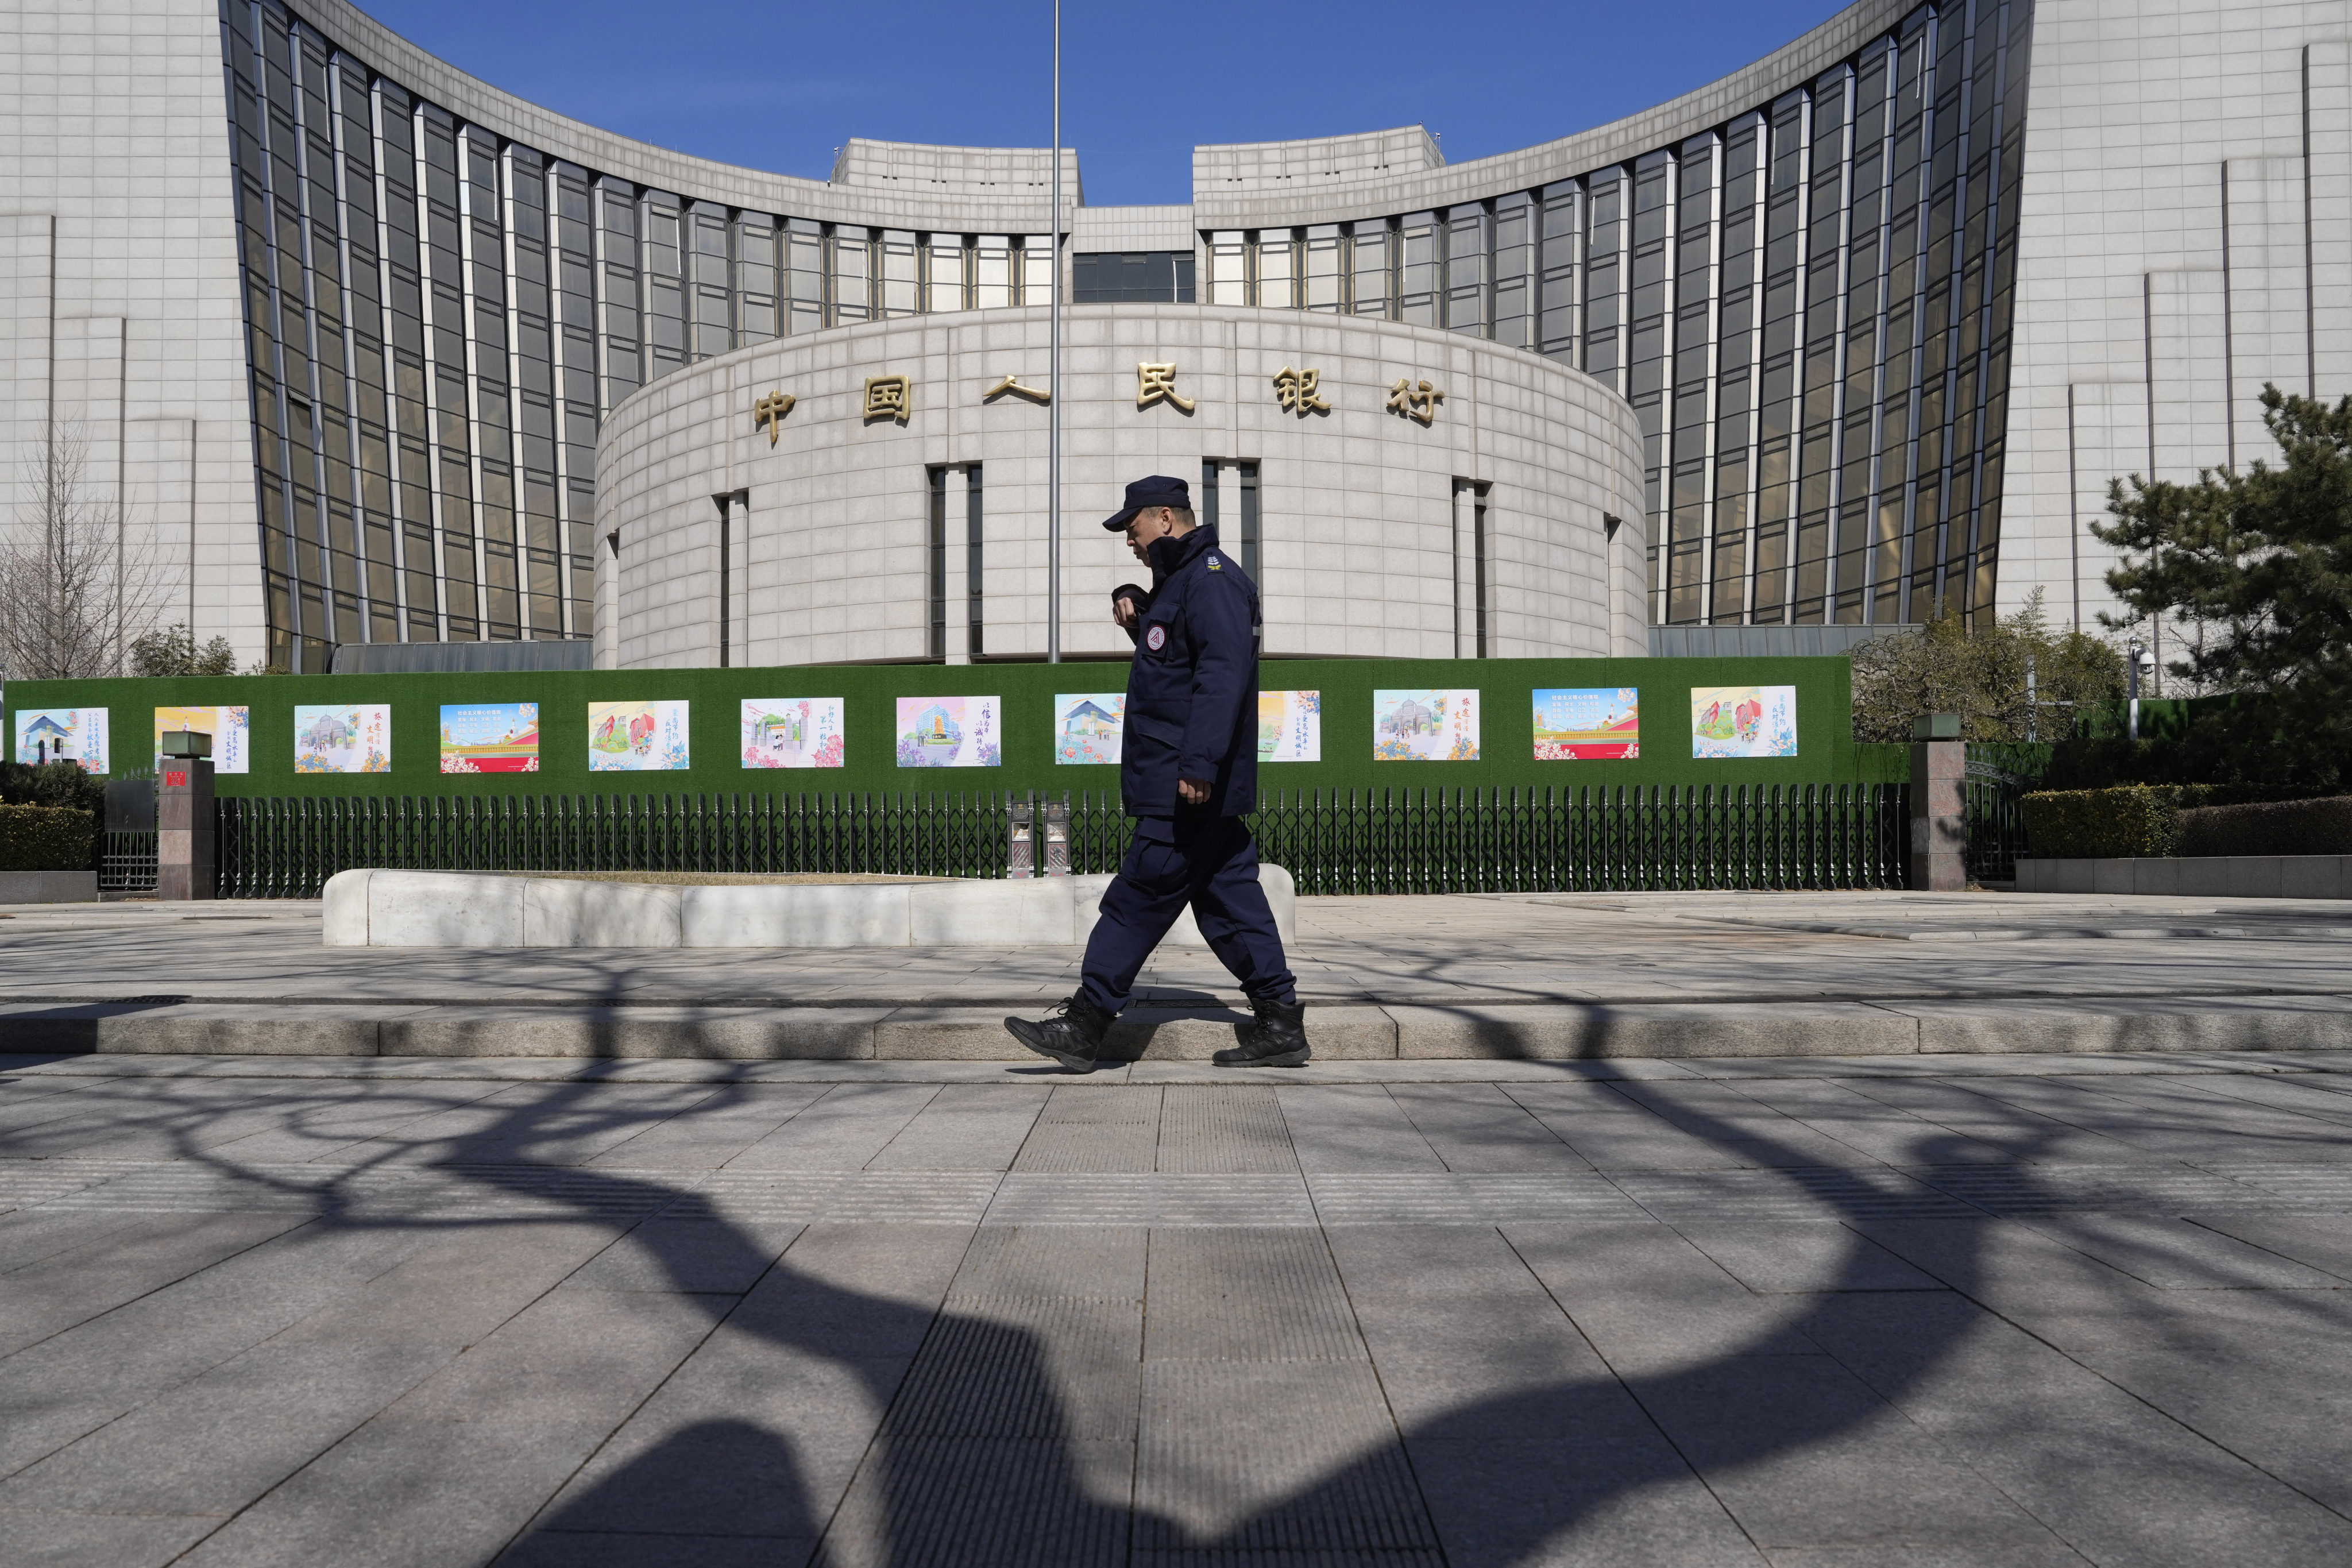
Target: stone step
1358	1032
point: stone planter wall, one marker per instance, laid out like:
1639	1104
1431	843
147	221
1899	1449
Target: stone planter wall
2195	876
49	887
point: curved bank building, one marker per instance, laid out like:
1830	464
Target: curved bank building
373	353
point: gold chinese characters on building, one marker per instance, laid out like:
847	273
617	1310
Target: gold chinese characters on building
1414	401
889	397
1157	382
769	411
1012	383
1294	391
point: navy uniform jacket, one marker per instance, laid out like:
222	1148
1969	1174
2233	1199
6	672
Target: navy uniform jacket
1192	692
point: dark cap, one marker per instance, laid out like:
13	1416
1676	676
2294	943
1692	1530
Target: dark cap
1155	490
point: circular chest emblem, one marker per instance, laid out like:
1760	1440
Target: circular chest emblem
1156	639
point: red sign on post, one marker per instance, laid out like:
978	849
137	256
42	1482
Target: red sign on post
175	780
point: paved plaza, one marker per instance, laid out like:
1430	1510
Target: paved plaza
1556	974
1991	1310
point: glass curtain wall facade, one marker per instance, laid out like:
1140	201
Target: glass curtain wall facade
1808	306
436	318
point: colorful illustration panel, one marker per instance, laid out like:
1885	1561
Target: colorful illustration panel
1743	721
63	735
342	738
794	733
1425	726
1088	726
230	728
489	737
1587	722
638	737
949	732
1289	726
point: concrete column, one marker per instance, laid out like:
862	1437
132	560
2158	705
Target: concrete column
957	539
183	828
1940	826
1465	574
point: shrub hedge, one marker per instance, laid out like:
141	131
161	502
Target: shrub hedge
45	838
2103	823
2274	828
50	783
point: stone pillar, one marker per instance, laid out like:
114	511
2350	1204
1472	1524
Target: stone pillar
956	540
1940	824
183	828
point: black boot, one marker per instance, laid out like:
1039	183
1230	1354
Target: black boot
1071	1034
1278	1039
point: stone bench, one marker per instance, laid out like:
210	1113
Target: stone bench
489	908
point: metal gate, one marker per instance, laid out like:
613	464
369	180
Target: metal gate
1998	779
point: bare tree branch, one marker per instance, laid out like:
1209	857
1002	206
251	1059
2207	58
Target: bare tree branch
76	589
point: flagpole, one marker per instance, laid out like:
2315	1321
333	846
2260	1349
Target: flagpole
1053	385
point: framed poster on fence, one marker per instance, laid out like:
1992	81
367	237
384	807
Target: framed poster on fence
62	735
1289	726
794	733
230	728
1587	723
342	738
489	737
950	732
1729	722
1416	726
638	737
1089	726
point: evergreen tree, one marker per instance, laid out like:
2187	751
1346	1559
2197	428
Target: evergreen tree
2260	564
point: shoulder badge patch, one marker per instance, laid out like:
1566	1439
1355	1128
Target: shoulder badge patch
1156	639
1213	563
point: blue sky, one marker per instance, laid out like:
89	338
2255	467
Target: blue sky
780	87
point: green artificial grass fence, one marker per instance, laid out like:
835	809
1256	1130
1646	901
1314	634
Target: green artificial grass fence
1826	752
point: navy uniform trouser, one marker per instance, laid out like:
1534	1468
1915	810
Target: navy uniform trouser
1213	867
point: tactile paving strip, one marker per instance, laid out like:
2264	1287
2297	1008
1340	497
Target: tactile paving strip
2023	1190
1321	1461
1421	1199
1103	1128
2311	1188
1804	1193
1152	1200
1282	1557
1092	1263
820	1197
997	1367
963	1503
1224	1129
1247	1295
25	1184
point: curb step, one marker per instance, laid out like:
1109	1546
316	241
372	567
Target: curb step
1339	1032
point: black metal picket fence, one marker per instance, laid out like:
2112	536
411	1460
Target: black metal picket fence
1582	839
1593	838
288	847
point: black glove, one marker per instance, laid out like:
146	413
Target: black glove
1142	599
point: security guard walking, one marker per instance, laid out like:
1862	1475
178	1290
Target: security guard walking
1188	772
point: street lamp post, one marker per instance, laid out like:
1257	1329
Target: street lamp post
2132	656
1054	383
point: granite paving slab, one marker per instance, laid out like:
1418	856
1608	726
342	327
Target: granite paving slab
2023	1308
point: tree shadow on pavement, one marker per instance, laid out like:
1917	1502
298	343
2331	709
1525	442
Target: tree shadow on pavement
983	1456
978	1460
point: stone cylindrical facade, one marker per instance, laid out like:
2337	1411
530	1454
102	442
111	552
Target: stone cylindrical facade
1483	527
